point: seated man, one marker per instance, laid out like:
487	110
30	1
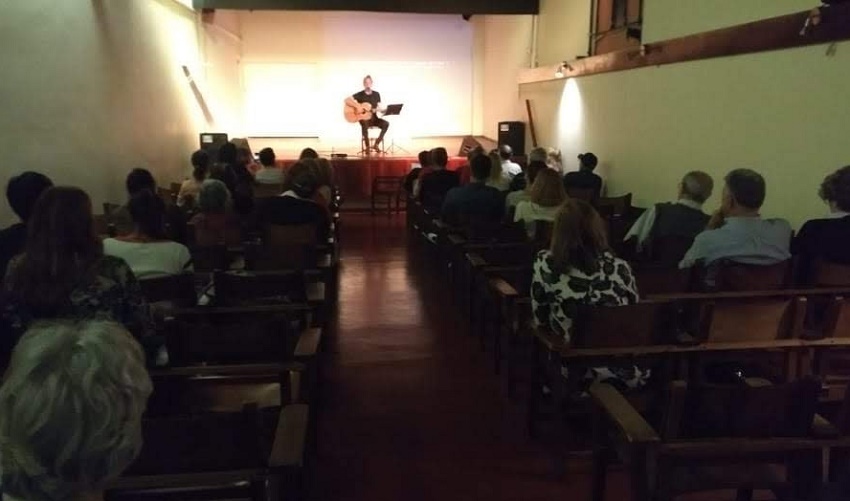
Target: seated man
433	186
737	232
269	174
684	218
826	239
22	192
510	169
475	200
295	205
584	178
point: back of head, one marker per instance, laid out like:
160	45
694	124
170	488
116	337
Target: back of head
480	167
474	152
148	213
496	163
213	197
697	186
548	189
267	157
835	189
533	169
505	151
440	157
61	248
308	154
746	187
79	425
553	157
218	171
140	179
301	179
537	155
578	237
201	164
23	191
228	154
588	161
244	156
424	158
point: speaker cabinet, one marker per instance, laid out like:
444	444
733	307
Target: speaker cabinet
211	142
513	134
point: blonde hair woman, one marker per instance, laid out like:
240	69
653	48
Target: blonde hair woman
497	178
545	198
71	410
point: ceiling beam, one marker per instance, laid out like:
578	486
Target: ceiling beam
414	6
784	32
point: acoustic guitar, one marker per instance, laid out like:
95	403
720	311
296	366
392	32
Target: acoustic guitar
363	111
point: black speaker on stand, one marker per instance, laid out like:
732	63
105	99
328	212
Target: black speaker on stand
513	134
211	142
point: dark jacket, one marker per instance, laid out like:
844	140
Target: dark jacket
434	186
821	239
677	220
473	201
583	180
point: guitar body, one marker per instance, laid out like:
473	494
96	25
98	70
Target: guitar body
363	111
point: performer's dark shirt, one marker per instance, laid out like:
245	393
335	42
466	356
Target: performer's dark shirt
374	98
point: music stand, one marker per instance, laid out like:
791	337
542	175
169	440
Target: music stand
394	109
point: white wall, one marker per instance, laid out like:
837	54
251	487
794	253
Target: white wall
92	88
780	113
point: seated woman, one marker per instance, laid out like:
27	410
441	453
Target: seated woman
80	424
146	249
63	272
826	239
188	195
215	224
325	179
580	269
296	205
546	196
497	178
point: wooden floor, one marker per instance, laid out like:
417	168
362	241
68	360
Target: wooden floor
412	409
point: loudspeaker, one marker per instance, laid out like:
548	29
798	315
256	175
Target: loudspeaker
211	142
513	134
471	142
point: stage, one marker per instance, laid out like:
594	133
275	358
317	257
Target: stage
354	175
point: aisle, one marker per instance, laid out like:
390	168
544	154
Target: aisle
412	409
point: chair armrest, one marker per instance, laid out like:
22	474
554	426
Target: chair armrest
632	426
228	370
290	436
308	343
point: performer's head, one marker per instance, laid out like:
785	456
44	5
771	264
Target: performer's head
367	82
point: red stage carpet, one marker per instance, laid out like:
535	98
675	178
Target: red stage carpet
354	175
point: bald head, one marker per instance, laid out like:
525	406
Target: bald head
696	186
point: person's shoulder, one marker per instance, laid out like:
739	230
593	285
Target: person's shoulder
778	223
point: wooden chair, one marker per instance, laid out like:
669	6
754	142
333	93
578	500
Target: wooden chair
653	279
730	276
828	274
103	227
586	194
167	196
713	438
178	290
109	208
207	259
388	188
614	206
220	456
267	190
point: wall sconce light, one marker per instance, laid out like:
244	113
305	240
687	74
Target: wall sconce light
562	69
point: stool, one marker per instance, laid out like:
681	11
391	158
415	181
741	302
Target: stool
367	144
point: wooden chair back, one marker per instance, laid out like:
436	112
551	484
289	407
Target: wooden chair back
729	276
271	287
103	227
614	206
294	256
288	234
741	320
387	185
586	194
262	190
828	274
179	290
625	326
210	258
653	279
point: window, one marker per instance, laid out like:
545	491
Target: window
617	25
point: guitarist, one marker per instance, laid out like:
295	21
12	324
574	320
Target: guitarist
367	95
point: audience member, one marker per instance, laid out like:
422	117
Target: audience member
296	205
189	189
736	232
520	182
308	154
465	171
215	224
546	197
510	169
245	158
324	178
684	218
554	159
270	173
584	179
146	249
580	269
826	239
63	272
434	185
475	201
22	192
238	179
517	196
498	179
537	155
412	177
71	410
139	180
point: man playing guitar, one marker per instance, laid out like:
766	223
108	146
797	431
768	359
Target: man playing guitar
367	102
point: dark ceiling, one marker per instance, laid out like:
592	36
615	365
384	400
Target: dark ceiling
418	6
